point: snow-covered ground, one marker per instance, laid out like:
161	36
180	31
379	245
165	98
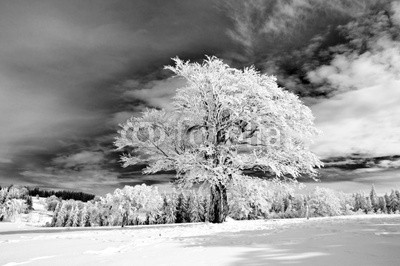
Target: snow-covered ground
350	240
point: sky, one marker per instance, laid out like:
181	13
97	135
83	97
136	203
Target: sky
72	71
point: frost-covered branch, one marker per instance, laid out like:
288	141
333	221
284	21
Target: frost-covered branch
224	120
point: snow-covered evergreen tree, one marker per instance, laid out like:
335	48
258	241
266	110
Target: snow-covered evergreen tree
387	200
382	204
205	207
55	214
167	214
3	195
62	215
193	207
29	203
397	192
84	217
394	203
368	205
360	202
180	212
71	212
75	217
374	199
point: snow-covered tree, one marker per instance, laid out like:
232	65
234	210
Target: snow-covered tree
168	209
62	215
75	216
193	206
140	204
368	205
52	202
374	199
55	214
205	205
71	213
11	208
181	210
359	201
387	200
393	202
382	204
397	192
15	192
347	202
224	120
249	197
84	217
324	202
3	195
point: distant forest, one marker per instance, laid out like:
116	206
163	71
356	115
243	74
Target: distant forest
62	194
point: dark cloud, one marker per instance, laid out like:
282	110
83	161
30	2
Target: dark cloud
264	27
357	180
61	65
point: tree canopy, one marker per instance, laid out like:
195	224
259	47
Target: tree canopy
224	120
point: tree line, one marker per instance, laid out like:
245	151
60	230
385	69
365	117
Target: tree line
250	199
146	205
64	194
18	199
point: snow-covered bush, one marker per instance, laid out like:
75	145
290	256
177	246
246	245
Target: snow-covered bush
346	203
10	209
51	203
324	202
296	207
13	192
17	192
130	205
139	204
248	198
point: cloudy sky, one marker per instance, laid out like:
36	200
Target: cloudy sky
71	71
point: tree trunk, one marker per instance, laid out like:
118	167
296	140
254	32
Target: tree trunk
219	204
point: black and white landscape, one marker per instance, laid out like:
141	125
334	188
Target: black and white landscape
254	132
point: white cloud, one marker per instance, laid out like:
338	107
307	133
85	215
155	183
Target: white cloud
396	15
81	158
389	164
88	180
120	117
364	116
85	170
5	160
157	93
